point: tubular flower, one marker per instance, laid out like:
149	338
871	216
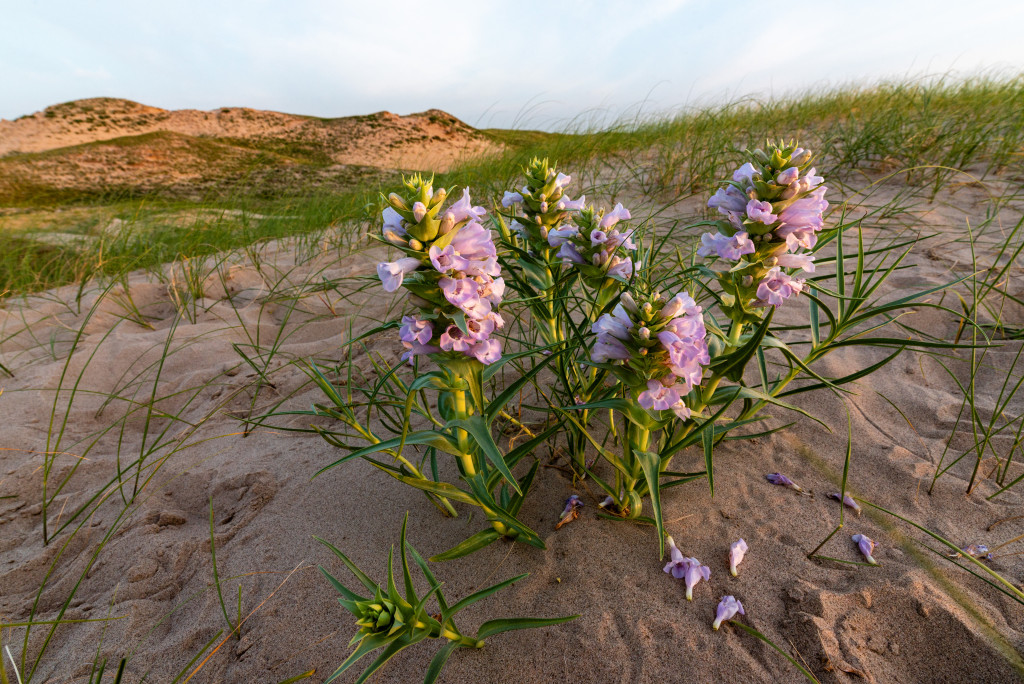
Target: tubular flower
727	609
866	546
693	574
450	269
847	501
661	348
677	562
773	208
736	552
595	246
783	481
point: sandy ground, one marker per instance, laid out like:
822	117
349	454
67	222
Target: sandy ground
915	618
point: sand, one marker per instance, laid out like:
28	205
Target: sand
915	618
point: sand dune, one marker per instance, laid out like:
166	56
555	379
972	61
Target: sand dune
915	618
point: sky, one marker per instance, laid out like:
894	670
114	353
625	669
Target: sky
547	65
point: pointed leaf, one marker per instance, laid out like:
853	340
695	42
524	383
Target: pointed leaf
492	627
468	546
650	462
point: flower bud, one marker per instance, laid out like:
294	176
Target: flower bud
644	333
447	223
395	239
397	202
627	303
800	156
648	309
747	281
419	210
415	244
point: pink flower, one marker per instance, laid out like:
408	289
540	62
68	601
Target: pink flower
392	273
414	330
566	204
487	351
694	573
761	212
866	546
847	501
730	248
464	209
658	397
392	221
736	552
728	607
802	261
570	255
446	260
619	213
511	198
744	174
559	236
777	287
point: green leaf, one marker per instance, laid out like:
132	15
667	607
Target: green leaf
650	462
393	648
360	575
492	627
479	430
498	403
369	643
635	413
707	436
431	437
495	512
435	586
437	663
482	594
410	589
468	546
342	589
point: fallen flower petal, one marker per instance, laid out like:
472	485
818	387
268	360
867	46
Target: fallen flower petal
736	552
974	551
783	481
866	546
693	574
728	607
571	512
848	500
677	563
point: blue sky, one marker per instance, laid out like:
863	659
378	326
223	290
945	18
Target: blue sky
524	64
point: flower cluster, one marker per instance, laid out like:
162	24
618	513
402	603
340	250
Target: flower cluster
661	346
450	270
543	203
595	246
774	207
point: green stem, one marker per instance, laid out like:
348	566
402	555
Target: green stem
462	437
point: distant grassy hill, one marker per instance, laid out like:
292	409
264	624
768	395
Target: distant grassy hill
106	147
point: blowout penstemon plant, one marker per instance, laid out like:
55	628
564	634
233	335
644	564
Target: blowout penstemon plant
393	620
451	273
553	243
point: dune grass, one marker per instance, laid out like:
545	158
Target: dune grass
937	134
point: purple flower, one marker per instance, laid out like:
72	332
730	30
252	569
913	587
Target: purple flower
446	260
392	221
570	255
617	324
803	261
566	204
620	267
730	248
416	349
511	198
559	236
693	574
392	273
463	293
571	504
783	481
736	552
847	500
677	563
619	213
777	287
414	330
608	349
866	546
464	209
474	241
728	200
728	607
744	174
487	351
681	303
761	212
658	397
788	177
453	339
